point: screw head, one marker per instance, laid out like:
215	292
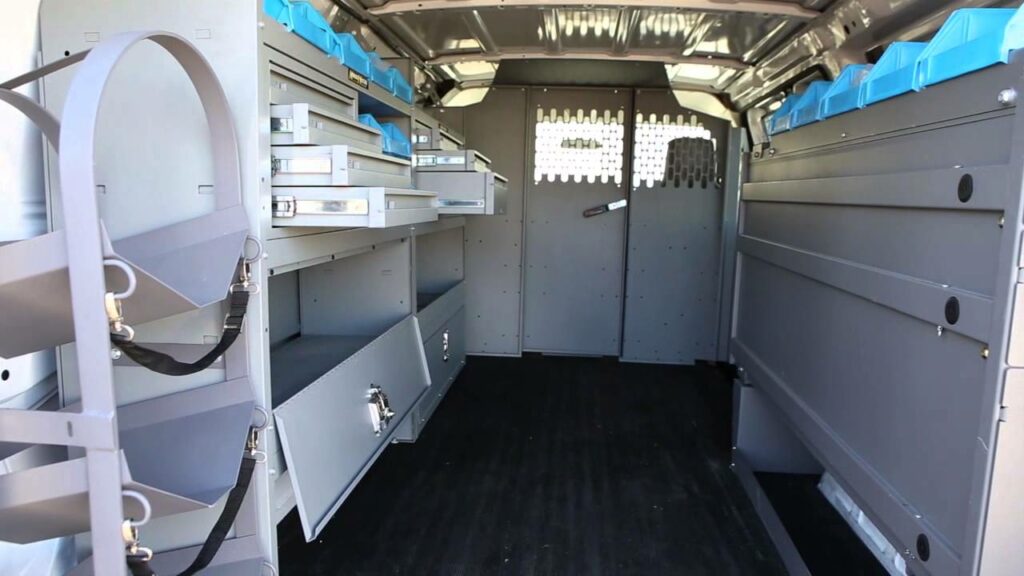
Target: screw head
115	354
1007	97
985	352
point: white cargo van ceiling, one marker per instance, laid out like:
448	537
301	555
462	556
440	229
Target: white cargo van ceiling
743	50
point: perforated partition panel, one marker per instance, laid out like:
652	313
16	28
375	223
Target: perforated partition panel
574	264
875	305
674	250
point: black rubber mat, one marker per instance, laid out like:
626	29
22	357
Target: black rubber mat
552	466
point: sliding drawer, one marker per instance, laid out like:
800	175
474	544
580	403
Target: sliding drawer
337	166
452	161
435	138
308	124
466	192
337	426
351	207
290	87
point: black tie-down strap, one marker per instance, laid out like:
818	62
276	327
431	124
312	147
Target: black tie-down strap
139	565
165	364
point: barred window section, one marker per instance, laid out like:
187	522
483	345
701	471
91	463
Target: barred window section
580	145
652	135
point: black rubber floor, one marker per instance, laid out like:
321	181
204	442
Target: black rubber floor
552	466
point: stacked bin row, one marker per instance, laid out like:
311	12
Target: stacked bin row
395	142
970	40
305	20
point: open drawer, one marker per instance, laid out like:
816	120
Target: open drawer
308	124
336	427
466	192
352	207
337	166
452	161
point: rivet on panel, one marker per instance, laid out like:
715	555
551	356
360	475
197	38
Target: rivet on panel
985	352
1007	97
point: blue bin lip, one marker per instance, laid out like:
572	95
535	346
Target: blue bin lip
808	109
893	63
978	37
849	85
351	54
775	122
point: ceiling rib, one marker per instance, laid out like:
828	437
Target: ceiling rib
768	7
641	56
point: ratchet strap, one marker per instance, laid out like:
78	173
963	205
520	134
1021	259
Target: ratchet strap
138	564
165	364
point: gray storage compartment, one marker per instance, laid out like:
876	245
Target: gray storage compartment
452	161
308	124
337	166
347	365
351	207
482	193
427	137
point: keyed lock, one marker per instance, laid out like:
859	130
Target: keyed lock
380	410
444	346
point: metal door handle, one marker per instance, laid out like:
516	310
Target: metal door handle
605	208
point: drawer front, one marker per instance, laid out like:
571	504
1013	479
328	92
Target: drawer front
337	166
292	124
288	87
351	207
463	192
327	432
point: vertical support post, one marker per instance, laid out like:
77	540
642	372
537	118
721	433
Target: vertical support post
735	171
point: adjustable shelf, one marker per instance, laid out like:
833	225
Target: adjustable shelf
342	338
180	451
337	166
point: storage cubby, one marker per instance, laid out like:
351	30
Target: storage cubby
346	363
439	264
322	314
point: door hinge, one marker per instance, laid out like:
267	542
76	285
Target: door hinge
283	206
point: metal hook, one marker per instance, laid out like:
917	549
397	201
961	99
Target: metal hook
128	272
259	249
266	418
147	509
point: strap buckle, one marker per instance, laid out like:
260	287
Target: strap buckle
115	316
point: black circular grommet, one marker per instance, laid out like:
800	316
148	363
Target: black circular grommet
952	310
924	548
5	375
965	189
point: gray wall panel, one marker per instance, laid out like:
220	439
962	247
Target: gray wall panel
965	244
574	265
673	256
439	263
912	421
494	252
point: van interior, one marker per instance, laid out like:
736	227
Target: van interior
495	287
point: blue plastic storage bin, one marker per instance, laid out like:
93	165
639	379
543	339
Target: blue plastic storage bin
396	142
846	92
971	39
808	108
895	72
369	120
308	23
280	10
782	118
351	53
380	73
403	89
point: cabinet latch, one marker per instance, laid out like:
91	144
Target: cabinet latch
380	410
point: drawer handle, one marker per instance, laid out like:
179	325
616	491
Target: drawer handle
444	346
380	409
